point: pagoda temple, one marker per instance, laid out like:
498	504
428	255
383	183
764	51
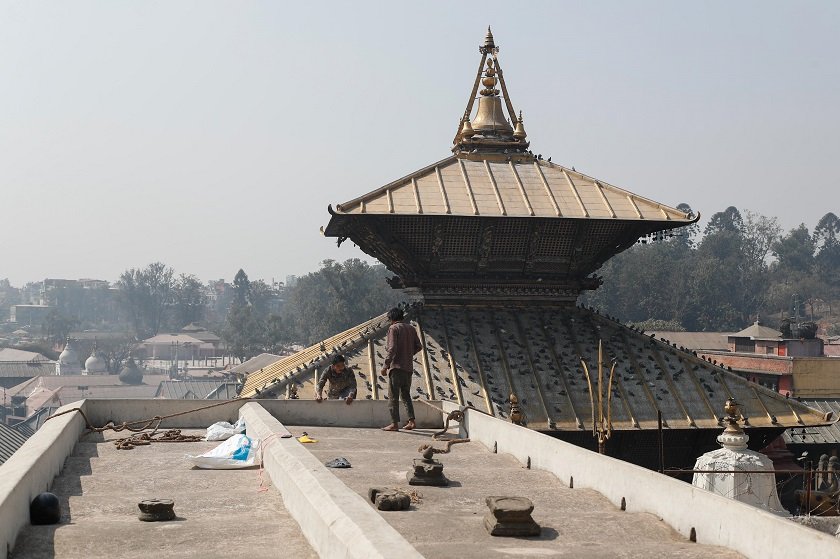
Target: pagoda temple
492	247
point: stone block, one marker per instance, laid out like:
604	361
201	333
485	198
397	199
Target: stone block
510	517
389	499
427	472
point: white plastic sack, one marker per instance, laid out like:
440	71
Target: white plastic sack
239	451
224	430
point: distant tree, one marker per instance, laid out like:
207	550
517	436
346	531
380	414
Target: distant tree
242	332
116	350
274	337
795	251
145	295
241	289
189	301
728	220
827	240
336	297
262	296
56	327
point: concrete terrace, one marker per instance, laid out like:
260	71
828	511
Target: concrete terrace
448	521
310	510
218	511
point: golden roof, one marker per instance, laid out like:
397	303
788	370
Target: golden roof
524	188
478	355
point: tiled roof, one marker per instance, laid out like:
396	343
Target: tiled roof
312	357
829	434
696	340
173	338
478	355
514	189
256	363
12	354
196	389
77	387
10	441
758	331
23	369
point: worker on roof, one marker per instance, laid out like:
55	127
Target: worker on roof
403	343
342	381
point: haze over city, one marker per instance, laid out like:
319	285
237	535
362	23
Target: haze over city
212	135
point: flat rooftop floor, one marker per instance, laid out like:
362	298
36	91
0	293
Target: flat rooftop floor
220	513
448	522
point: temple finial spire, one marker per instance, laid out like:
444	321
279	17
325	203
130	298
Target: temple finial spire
488	40
494	130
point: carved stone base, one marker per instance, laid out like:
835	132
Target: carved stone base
510	517
156	510
389	499
427	472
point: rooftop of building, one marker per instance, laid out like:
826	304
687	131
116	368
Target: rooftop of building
695	340
587	504
12	354
99	488
479	356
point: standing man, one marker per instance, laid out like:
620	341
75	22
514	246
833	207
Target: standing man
401	346
342	382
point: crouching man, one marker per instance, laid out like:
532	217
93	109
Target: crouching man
342	382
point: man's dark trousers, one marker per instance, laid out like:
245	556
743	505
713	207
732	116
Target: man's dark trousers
399	384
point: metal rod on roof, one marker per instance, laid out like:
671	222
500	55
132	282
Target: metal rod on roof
661	442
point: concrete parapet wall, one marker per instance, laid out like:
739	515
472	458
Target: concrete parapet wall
359	414
715	520
336	521
336	413
31	470
101	411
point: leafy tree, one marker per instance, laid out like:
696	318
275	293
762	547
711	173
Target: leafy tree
56	326
145	295
795	251
241	289
241	332
189	301
827	240
337	297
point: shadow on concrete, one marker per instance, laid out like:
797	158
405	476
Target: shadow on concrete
548	534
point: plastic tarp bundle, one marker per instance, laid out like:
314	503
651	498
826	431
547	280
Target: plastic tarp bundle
239	451
224	430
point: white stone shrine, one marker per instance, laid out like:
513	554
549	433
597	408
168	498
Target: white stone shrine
740	470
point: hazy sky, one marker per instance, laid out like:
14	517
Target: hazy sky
212	135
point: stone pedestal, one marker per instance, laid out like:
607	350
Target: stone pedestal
510	517
427	472
156	510
389	499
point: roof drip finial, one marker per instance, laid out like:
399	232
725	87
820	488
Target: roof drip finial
519	131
